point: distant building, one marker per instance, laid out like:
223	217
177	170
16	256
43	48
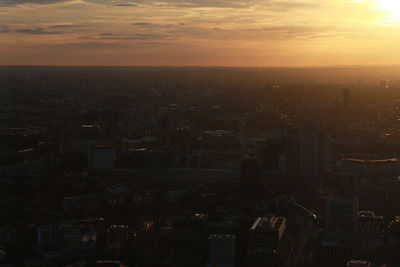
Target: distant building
119	232
314	150
49	237
108	263
84	83
358	263
333	253
371	231
370	168
341	214
393	238
345	98
251	179
8	236
221	250
266	240
101	157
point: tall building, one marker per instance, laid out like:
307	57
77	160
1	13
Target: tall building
292	152
266	241
101	157
341	214
221	250
251	179
371	231
346	98
314	150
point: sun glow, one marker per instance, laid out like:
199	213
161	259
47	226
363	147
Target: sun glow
391	6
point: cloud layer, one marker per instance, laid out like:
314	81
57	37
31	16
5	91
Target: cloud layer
195	32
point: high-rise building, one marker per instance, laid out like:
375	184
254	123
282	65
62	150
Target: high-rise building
346	98
371	231
221	250
341	214
251	179
266	240
314	150
101	157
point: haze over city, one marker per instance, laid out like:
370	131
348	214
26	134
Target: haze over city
199	133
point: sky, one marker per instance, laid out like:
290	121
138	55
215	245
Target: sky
289	33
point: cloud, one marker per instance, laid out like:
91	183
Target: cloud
93	45
133	37
5	3
37	30
156	25
276	5
4	29
126	4
271	4
66	26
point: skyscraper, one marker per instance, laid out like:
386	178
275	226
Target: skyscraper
341	214
221	250
314	150
266	241
346	98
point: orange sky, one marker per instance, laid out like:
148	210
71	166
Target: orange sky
199	32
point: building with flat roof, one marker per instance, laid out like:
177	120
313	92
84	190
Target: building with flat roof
358	263
341	214
101	157
266	240
221	250
371	229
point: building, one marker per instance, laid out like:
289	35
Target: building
49	237
221	250
358	263
333	253
108	263
371	231
345	98
368	168
266	240
8	236
251	178
101	157
78	235
314	150
393	239
341	214
119	232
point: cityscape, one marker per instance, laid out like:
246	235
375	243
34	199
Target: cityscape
199	133
133	166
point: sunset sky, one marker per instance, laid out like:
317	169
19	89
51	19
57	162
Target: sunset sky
199	32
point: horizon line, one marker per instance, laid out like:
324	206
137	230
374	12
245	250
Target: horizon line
206	66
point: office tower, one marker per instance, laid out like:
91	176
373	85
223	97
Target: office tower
314	150
101	157
370	230
292	152
251	178
271	151
346	97
221	250
266	240
84	83
341	214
